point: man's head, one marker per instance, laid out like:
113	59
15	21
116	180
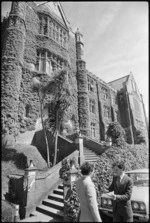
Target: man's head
118	168
87	168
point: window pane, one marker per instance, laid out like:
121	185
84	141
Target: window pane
37	65
42	65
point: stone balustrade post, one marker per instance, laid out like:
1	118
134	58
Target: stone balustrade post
29	186
68	186
79	143
16	217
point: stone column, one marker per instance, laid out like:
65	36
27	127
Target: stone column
68	186
79	143
29	182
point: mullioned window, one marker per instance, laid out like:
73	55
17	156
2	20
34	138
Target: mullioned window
48	27
47	62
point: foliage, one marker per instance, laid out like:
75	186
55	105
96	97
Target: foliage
60	102
116	133
135	157
58	88
73	206
66	165
8	213
128	135
139	137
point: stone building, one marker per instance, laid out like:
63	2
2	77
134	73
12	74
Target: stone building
36	40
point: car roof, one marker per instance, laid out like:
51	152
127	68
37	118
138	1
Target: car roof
138	171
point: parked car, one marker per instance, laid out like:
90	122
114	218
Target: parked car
139	198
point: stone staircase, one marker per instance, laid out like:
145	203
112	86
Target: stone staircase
51	209
90	156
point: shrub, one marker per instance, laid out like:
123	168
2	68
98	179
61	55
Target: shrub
8	213
139	137
116	133
135	157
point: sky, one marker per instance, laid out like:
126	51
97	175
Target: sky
115	36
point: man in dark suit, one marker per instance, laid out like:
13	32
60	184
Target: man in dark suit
122	187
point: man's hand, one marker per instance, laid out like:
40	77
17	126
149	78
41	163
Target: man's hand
113	196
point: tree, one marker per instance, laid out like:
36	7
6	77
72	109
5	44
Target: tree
60	102
38	87
116	133
58	88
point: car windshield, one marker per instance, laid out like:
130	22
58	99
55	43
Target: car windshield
139	179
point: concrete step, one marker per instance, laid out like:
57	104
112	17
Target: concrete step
61	186
42	218
38	218
56	197
53	204
58	191
91	160
89	152
91	155
52	212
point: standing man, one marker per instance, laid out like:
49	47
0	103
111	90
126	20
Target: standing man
86	192
122	187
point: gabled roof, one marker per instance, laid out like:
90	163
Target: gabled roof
119	83
54	9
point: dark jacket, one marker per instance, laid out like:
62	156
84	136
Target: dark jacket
123	192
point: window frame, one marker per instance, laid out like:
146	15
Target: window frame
93	129
49	27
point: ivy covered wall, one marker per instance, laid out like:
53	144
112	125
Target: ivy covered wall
11	70
18	68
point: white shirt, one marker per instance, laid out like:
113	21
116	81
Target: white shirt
121	176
